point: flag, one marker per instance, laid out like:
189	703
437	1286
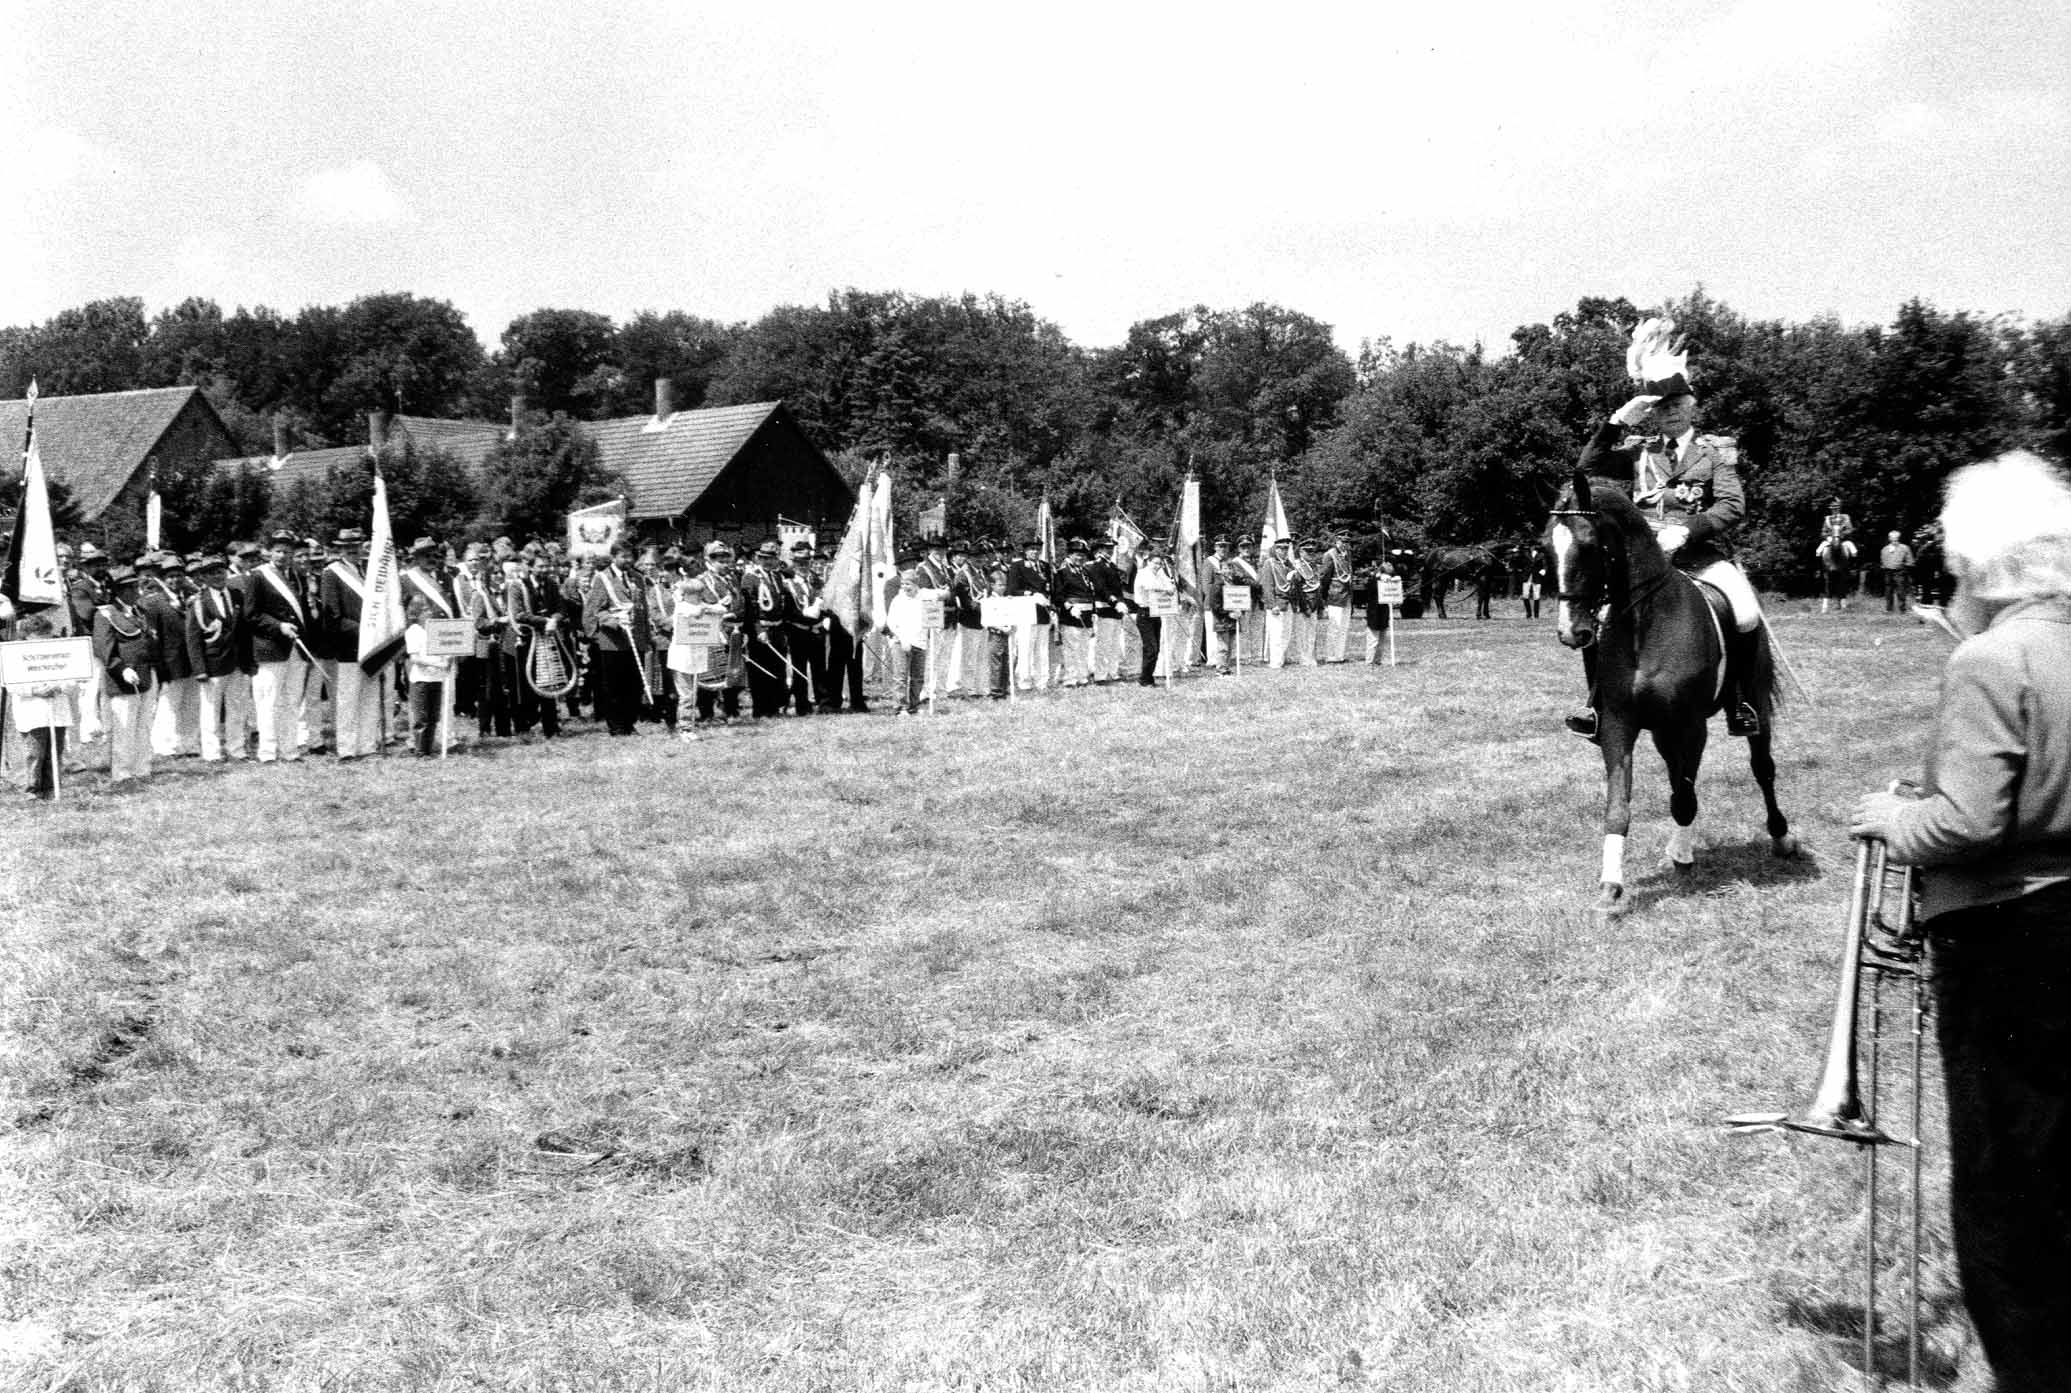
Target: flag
1186	542
934	522
381	603
1276	520
1046	529
883	558
1126	535
591	531
790	533
33	577
863	561
154	512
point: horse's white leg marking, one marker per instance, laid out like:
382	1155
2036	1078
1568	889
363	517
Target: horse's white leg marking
1614	859
1682	845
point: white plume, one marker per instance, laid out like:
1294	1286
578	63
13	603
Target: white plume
1656	353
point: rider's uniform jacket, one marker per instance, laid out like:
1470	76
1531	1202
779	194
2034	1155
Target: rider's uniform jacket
1693	484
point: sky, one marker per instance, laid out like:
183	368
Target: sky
1414	172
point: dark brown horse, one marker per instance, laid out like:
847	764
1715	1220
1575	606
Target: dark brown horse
1658	651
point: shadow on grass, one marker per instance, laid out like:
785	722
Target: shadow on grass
1750	862
1841	1325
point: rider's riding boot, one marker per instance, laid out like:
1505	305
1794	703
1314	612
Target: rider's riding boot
1582	720
1741	717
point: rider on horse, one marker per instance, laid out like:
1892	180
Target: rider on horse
1836	529
1688	488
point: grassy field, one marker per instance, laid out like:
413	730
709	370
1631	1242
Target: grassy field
1253	1035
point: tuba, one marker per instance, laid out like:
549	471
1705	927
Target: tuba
1880	941
551	670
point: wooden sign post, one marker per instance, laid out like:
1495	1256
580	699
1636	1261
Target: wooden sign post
1236	600
933	616
449	639
1388	591
49	662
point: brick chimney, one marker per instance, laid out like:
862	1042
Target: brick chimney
377	429
664	398
517	411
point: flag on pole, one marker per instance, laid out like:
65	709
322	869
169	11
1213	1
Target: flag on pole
884	568
863	561
1186	542
934	522
1276	520
591	531
154	512
1046	529
32	576
381	604
1126	535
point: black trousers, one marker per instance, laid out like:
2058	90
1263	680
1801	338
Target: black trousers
766	684
1149	633
620	695
2002	985
494	675
425	699
844	669
665	690
723	700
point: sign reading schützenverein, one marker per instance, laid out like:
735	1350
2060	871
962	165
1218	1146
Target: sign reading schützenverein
40	661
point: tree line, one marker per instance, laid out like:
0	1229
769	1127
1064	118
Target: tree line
977	399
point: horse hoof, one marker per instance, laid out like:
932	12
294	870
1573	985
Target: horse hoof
1786	846
1610	904
1684	869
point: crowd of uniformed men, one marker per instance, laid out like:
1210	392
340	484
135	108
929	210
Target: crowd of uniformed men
253	654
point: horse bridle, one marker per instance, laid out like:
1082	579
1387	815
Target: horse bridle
1576	597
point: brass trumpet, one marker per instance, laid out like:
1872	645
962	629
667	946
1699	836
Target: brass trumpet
1882	940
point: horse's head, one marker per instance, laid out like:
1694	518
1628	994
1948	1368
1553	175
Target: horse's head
1576	545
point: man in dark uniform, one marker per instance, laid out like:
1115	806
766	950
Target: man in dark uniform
806	630
125	650
1217	578
1031	575
533	602
1688	488
614	619
176	726
966	634
218	653
279	615
1110	605
1077	595
768	607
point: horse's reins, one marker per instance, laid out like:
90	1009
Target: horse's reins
1633	600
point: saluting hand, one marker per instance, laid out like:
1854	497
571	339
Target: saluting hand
1634	411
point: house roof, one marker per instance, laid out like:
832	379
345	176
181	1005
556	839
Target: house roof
668	464
469	442
95	444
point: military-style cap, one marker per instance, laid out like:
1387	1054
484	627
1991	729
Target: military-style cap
768	548
959	547
202	565
1077	548
350	537
1035	542
801	547
1309	544
244	548
1220	542
423	545
284	538
89	552
716	548
1283	541
477	551
122	575
1101	544
933	544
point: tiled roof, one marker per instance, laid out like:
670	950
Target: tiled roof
94	445
667	466
468	442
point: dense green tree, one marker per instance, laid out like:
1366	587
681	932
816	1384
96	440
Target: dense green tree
97	347
531	482
560	360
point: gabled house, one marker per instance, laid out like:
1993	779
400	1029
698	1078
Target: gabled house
101	447
469	442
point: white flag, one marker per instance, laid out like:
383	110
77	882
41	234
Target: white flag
33	577
381	606
1276	521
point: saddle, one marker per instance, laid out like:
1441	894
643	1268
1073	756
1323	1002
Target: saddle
1724	624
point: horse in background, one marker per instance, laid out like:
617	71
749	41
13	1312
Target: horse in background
1654	645
1836	573
1442	567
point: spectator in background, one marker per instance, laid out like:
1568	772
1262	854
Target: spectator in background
1993	836
1896	561
42	712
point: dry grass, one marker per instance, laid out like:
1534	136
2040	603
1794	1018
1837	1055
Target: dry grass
1249	1036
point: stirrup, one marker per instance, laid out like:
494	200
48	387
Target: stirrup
1583	722
1743	720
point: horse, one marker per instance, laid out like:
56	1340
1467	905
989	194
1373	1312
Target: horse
1442	567
1836	573
1659	666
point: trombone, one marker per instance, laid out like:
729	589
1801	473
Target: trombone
1881	941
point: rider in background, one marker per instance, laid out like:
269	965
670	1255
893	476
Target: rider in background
1687	486
1837	529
